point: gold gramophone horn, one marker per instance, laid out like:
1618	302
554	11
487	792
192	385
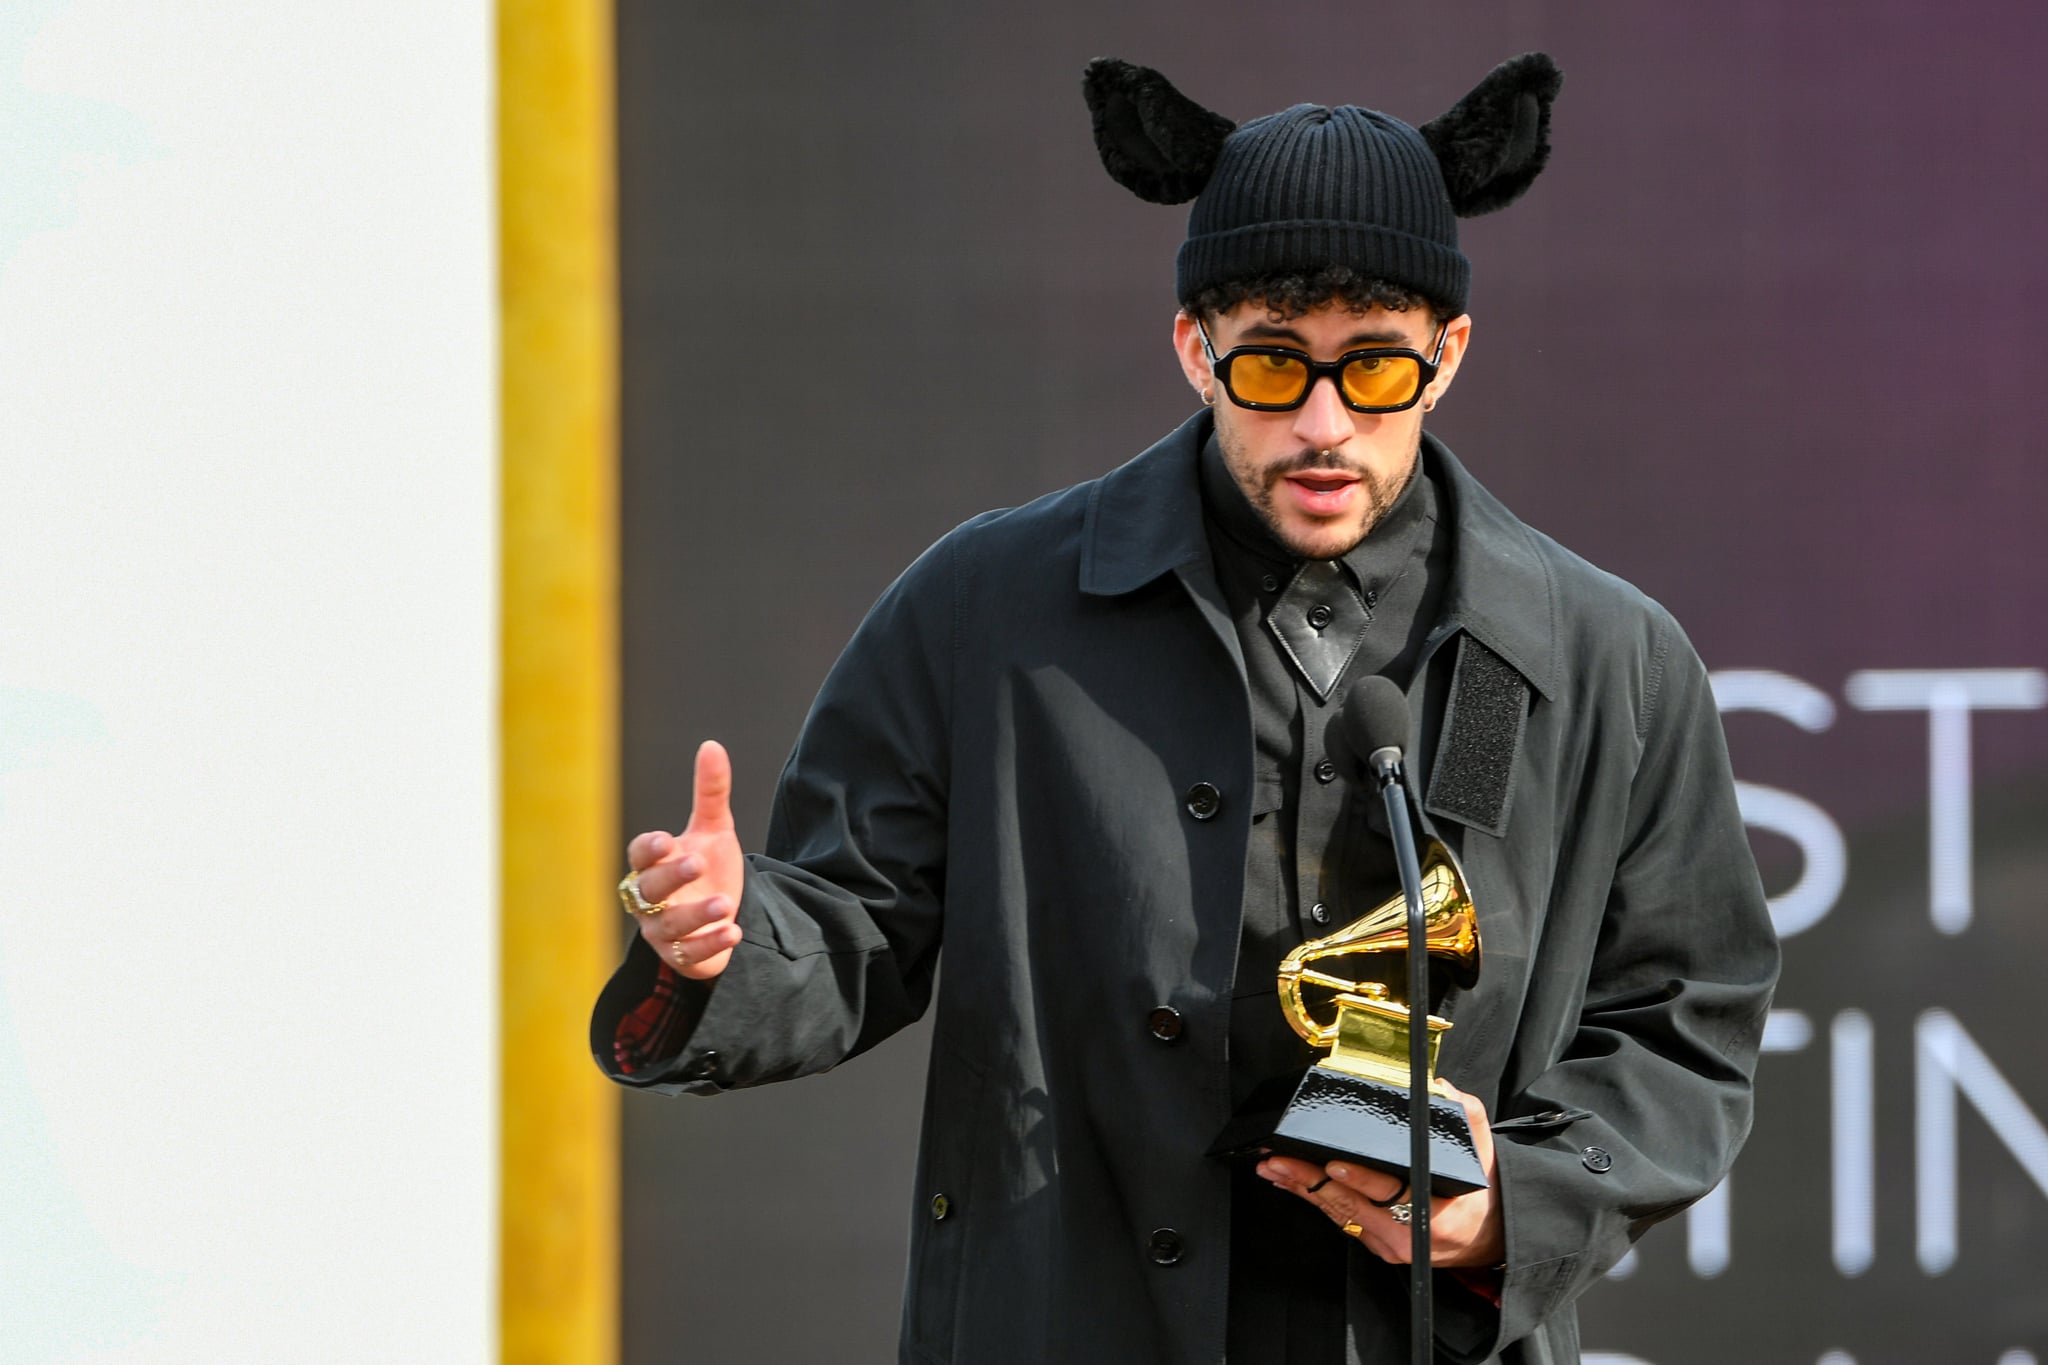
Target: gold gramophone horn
1450	934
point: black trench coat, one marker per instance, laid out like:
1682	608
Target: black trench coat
1014	755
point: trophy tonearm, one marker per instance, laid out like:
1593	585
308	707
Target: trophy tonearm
1369	1034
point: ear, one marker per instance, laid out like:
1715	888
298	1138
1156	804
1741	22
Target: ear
1457	336
1154	141
1494	141
1187	348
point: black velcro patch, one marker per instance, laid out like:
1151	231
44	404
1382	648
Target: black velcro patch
1473	779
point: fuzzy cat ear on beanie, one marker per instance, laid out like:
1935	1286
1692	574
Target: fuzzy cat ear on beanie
1154	141
1493	143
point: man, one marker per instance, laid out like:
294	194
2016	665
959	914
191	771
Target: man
1090	744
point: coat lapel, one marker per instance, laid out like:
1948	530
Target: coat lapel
1502	605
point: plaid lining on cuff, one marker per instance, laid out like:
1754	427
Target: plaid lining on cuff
1485	1283
654	1031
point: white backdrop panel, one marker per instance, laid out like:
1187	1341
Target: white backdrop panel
247	594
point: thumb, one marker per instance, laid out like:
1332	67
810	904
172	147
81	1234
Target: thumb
1479	1121
711	812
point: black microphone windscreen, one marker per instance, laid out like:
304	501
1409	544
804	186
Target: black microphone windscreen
1375	716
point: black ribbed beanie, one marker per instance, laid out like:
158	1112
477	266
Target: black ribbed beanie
1311	187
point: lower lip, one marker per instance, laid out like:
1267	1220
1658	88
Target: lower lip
1322	501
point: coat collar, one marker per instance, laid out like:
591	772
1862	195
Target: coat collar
1144	520
1501	588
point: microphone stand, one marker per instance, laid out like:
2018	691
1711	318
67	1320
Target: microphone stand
1386	766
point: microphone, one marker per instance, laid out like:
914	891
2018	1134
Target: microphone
1376	726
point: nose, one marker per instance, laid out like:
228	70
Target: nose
1323	422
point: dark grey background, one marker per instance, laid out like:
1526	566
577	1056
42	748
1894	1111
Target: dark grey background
1765	339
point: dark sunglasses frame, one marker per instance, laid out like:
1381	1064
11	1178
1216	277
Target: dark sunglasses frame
1317	369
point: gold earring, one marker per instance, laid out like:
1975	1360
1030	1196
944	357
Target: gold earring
1208	398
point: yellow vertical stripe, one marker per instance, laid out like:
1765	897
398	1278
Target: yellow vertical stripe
558	1238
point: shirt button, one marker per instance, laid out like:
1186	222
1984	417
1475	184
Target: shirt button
1372	597
1269	583
1326	771
1165	1247
1319	912
1597	1160
1164	1023
941	1206
1319	616
1203	800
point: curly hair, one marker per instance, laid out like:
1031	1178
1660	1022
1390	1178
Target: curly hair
1287	295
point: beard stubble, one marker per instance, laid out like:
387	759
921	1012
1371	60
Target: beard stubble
1380	493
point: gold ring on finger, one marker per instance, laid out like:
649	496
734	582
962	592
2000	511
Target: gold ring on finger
682	957
630	897
1354	1229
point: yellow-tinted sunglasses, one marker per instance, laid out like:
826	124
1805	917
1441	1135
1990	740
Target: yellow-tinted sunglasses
1279	378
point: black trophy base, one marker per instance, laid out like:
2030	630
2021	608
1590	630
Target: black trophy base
1326	1115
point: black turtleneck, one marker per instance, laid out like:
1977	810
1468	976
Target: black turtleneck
1313	864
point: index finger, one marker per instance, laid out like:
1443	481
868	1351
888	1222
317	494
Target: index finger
648	849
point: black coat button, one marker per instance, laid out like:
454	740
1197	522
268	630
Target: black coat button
1165	1247
1319	615
703	1068
1319	912
1597	1160
941	1206
1164	1024
1203	800
1270	583
1326	771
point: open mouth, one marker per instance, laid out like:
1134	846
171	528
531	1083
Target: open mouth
1320	493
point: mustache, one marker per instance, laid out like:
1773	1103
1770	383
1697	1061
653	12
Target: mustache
1310	461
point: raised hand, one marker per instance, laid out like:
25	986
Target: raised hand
695	877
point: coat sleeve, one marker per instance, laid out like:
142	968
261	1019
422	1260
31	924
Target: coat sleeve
841	915
1649	1102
